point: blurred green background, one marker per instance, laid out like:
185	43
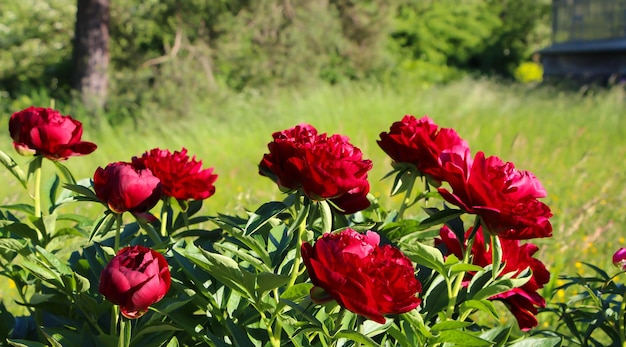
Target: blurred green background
218	77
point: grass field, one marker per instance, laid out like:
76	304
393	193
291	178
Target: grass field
575	144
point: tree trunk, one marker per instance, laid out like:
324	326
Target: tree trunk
91	52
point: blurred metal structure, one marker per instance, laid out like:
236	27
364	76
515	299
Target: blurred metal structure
588	40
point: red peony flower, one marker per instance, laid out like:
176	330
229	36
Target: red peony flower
522	301
361	275
134	279
423	144
123	187
504	197
45	132
619	259
181	177
323	167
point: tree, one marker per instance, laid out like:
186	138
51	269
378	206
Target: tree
91	52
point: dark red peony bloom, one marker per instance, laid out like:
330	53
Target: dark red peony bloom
323	167
134	279
46	132
423	144
361	275
522	301
181	177
619	259
504	197
123	187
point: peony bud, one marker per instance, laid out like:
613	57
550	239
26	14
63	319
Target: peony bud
619	259
123	187
134	279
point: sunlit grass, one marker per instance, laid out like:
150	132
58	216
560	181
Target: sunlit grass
575	144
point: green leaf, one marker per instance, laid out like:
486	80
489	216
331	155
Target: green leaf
480	305
155	328
449	325
68	232
53	342
461	338
14	169
226	270
417	322
88	194
42	273
237	334
479	281
80	219
25	343
12	245
103	225
499	335
82	283
20	229
173	342
66	195
263	215
327	216
406	174
266	281
491	290
538	342
439	217
278	243
243	254
46	224
256	243
297	291
356	336
463	267
426	255
303	312
603	275
25	208
435	297
496	255
53	262
33	165
51	186
67	174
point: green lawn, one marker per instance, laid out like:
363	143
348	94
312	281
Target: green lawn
575	144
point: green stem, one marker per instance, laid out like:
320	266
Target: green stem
274	338
620	326
621	329
118	229
37	193
36	314
496	255
299	223
453	291
164	216
115	314
125	332
412	175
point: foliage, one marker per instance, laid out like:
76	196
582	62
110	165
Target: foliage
529	72
36	45
198	48
236	279
593	314
491	36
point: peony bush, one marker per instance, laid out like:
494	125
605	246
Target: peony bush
325	266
